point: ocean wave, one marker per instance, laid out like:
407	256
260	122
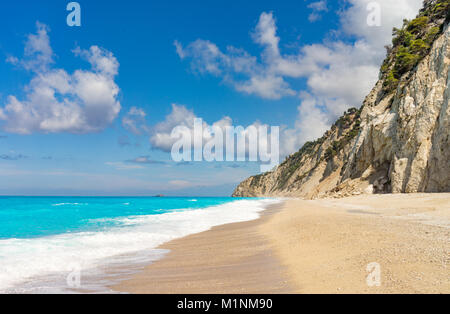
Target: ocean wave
24	259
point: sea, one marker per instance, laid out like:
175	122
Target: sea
87	244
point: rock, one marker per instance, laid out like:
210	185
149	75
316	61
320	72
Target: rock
369	190
399	144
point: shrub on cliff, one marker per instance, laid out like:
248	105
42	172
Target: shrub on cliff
417	25
412	42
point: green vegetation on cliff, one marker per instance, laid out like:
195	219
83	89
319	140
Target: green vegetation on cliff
412	42
352	117
346	128
330	162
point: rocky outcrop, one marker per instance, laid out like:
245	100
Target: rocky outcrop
398	142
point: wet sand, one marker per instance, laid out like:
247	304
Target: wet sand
233	258
321	246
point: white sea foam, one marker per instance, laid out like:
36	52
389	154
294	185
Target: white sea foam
22	261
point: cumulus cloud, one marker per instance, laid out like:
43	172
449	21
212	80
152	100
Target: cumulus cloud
264	79
56	101
339	73
180	116
219	141
354	20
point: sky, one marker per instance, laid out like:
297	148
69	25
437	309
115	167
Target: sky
89	110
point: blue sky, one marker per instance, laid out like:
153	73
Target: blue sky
144	65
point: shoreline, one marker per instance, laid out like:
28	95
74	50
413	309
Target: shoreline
320	246
105	251
243	262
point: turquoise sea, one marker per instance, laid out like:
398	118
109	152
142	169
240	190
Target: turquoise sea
45	240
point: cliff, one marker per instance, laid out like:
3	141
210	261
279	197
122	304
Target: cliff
398	142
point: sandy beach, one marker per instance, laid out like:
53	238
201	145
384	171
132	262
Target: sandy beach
319	246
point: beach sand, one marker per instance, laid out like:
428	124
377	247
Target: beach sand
320	246
234	258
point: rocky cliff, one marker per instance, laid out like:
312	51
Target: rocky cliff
398	142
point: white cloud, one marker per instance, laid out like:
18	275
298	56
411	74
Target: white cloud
13	60
270	87
101	60
314	17
354	20
161	135
183	121
318	8
264	79
56	101
38	53
339	73
181	117
180	183
145	160
124	166
134	121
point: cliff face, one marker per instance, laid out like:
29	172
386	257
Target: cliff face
398	142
